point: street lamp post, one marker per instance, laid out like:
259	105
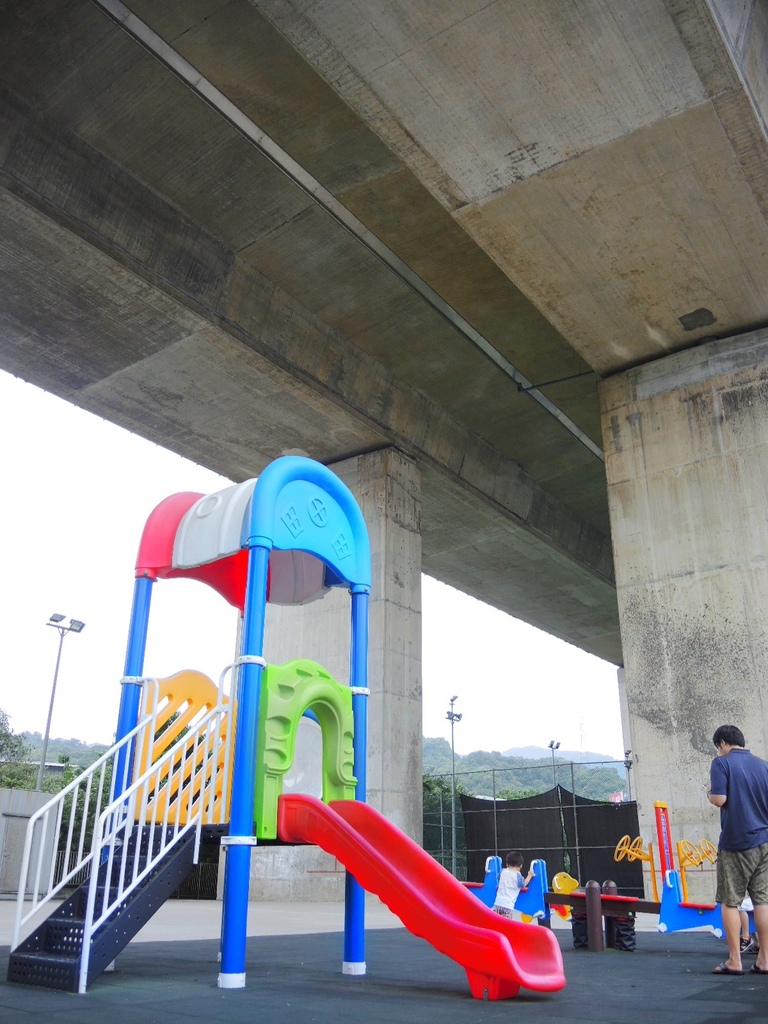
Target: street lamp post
453	718
75	626
553	746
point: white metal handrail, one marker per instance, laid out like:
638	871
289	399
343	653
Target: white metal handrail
188	773
87	794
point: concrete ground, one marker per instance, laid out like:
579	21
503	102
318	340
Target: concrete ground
201	919
168	975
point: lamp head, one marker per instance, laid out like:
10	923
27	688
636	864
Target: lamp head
76	626
56	617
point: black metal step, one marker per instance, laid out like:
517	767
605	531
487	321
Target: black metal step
62	936
51	955
45	970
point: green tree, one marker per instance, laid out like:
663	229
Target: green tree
16	772
79	753
436	791
18	769
85	815
509	777
516	794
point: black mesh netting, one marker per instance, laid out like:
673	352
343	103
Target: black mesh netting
571	833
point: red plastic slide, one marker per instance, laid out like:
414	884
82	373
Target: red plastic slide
499	955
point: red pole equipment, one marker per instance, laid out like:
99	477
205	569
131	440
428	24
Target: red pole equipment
664	839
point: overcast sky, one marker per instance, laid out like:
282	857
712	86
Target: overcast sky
77	493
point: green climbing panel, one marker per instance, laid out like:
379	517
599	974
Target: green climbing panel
287	691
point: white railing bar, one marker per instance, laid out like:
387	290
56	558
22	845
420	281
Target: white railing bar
89	907
96	922
101	837
70	827
40	854
122	835
160	764
54	837
202	775
180	763
227	741
212	757
182	794
139	819
99	794
43	813
155	769
84	820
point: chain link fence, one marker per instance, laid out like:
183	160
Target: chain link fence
200	884
570	814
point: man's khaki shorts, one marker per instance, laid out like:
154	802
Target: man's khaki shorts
740	872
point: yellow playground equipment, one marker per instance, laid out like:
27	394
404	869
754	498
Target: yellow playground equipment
566	884
689	856
203	768
633	849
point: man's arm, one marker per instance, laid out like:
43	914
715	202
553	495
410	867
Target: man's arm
718	781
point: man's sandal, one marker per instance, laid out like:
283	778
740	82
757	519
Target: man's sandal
723	968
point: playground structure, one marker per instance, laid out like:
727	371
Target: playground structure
596	902
635	850
193	760
677	913
530	900
486	890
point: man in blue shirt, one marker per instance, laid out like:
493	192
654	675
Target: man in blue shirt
739	787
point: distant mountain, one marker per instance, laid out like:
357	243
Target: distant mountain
439	749
525	770
76	751
536	753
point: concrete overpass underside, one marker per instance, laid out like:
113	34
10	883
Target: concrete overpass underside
456	230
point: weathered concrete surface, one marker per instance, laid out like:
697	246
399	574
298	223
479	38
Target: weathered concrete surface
687	463
608	158
387	486
584	186
159	271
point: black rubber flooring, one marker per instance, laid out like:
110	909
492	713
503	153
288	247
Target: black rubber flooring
298	980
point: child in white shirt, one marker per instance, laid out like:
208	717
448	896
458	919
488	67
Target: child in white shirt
511	881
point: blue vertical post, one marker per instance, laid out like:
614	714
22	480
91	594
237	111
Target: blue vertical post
130	697
354	906
240	839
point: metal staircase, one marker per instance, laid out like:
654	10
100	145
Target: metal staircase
137	846
52	956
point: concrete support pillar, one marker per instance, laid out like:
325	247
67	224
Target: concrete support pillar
686	441
387	487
